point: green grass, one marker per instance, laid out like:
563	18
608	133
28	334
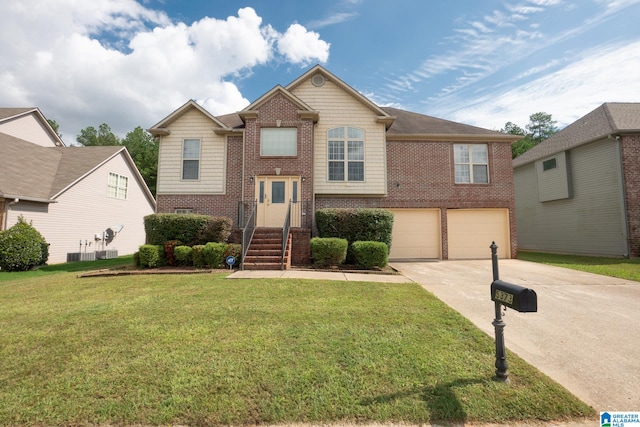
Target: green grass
204	350
622	268
123	261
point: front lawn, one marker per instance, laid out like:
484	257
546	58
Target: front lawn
623	268
204	350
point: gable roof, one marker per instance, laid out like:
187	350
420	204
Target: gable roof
609	119
250	109
8	114
32	172
160	128
318	69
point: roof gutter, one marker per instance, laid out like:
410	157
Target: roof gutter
453	137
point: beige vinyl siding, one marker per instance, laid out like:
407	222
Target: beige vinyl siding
30	129
192	124
338	109
84	210
591	222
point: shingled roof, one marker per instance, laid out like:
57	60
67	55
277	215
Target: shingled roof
611	118
32	172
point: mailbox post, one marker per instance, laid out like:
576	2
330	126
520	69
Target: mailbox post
512	296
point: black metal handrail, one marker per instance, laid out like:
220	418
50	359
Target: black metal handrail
285	234
247	232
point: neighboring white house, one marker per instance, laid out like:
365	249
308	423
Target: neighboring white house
81	199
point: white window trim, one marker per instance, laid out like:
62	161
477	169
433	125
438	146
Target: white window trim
345	160
199	159
471	163
120	189
289	130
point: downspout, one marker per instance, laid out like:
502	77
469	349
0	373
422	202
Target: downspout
625	218
7	209
243	177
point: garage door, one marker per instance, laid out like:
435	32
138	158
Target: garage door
471	231
416	234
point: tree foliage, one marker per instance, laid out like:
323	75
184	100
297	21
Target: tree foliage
55	126
90	137
540	127
143	148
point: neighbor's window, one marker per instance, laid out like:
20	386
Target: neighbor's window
471	163
117	186
549	164
279	142
191	159
183	211
346	154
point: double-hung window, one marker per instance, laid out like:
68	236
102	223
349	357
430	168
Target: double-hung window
191	159
117	186
471	163
346	154
280	142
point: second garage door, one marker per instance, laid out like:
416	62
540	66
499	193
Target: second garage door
471	231
416	234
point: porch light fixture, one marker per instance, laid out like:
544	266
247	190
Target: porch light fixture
304	178
251	179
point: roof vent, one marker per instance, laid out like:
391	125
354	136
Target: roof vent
318	80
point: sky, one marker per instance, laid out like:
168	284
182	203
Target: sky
130	63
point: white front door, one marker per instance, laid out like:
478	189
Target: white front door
274	194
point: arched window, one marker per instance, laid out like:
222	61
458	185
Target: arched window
345	147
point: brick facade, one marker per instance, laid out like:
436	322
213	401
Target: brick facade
420	177
419	173
630	147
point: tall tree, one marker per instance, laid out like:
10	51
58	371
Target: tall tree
89	136
143	148
540	127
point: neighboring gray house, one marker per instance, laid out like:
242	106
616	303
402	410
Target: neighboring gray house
578	192
81	199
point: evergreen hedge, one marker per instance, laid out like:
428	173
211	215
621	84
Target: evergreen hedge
22	247
328	251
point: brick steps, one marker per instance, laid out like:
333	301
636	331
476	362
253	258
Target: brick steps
265	250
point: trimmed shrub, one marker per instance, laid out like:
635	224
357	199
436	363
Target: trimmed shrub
234	249
22	247
169	256
197	256
214	254
355	225
370	254
150	256
161	228
328	251
216	229
182	255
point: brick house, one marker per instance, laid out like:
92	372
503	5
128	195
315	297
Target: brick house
578	192
318	143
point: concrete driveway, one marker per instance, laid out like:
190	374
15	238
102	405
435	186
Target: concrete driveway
585	335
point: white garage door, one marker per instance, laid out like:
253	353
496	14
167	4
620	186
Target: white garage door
416	234
471	231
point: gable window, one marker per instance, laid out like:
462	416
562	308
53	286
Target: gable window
346	154
279	142
191	159
549	164
471	163
117	186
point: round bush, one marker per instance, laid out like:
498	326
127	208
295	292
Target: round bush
22	247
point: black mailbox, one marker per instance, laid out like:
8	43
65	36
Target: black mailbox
513	296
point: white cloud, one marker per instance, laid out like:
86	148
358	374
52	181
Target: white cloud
607	73
303	47
88	62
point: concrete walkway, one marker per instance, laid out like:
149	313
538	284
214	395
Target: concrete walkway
322	275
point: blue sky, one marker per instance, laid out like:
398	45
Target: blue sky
130	63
